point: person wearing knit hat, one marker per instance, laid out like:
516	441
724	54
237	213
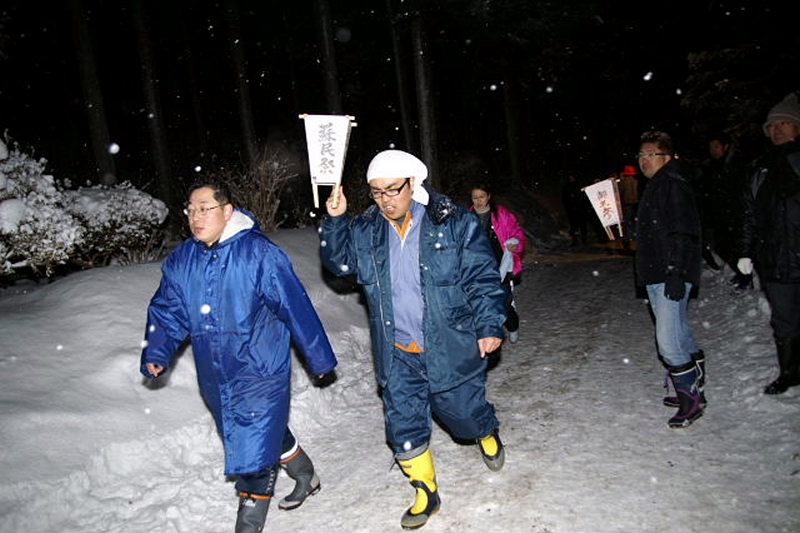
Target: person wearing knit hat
771	235
436	309
785	114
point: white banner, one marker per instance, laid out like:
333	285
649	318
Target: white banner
604	196
326	137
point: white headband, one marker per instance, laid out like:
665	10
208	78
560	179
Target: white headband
399	164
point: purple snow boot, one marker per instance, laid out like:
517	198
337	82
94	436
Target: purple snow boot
685	379
700	360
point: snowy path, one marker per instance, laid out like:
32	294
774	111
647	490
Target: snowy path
579	398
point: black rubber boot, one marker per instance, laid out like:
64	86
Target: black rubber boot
301	470
685	379
253	506
699	359
252	513
788	361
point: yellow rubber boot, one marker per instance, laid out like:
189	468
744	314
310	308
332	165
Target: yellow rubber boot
422	474
492	451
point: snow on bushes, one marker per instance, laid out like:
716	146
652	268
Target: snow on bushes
42	225
117	222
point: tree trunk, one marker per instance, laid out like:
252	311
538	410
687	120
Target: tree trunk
288	52
425	101
92	95
329	70
515	113
194	90
243	83
153	105
400	74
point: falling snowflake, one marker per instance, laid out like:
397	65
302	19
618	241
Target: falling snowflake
60	347
493	87
595	273
648	76
113	148
548	89
198	168
626	360
205	309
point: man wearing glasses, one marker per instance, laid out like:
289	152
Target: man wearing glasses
668	265
235	294
436	309
771	235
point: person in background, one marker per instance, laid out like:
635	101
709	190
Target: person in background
722	219
508	242
436	309
629	198
771	235
234	293
668	265
574	202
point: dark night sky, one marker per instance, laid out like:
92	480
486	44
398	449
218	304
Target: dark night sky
580	68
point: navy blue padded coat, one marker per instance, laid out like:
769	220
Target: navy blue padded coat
241	303
464	300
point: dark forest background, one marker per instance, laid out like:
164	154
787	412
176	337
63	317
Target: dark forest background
521	92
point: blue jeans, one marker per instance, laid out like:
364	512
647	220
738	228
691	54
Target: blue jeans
409	407
674	337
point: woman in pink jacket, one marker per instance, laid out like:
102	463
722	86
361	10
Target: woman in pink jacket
508	241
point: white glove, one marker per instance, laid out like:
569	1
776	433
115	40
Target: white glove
745	266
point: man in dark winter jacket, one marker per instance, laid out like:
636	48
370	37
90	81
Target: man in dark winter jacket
668	265
436	309
771	235
720	205
235	294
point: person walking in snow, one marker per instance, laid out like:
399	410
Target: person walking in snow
508	242
235	294
771	235
436	309
668	260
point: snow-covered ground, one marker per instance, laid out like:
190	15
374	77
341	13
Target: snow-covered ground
86	446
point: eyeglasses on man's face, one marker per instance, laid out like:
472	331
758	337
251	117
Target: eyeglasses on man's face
201	211
376	194
649	155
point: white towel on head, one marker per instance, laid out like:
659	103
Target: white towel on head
400	164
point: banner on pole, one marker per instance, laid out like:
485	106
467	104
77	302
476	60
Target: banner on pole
327	137
604	196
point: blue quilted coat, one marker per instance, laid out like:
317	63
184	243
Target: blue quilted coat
241	303
464	300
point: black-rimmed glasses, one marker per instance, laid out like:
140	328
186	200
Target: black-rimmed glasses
376	194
